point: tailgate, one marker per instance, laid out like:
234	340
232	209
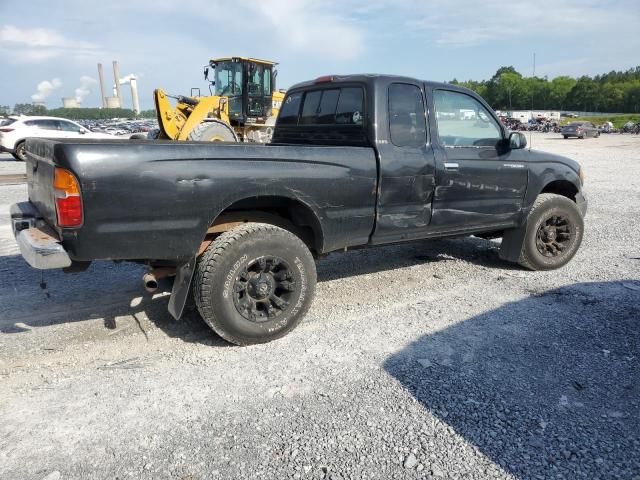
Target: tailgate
40	171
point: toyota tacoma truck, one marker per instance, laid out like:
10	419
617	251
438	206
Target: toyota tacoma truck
355	161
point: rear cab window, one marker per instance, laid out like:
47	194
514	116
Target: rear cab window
328	106
332	114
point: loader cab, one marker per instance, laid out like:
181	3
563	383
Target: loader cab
248	84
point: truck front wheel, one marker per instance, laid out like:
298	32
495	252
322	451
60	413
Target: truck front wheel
254	283
554	232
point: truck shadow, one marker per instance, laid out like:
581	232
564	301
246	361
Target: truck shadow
543	387
477	251
109	291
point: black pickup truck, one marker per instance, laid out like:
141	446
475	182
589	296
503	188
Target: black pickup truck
358	160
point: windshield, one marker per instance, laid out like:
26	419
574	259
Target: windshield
228	79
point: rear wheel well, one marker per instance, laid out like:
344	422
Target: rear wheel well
561	187
283	212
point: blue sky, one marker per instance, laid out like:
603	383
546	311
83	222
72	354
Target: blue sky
166	43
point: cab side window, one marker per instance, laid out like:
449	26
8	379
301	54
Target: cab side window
407	123
463	121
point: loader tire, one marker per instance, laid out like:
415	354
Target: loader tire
212	132
254	283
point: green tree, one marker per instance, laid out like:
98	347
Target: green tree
632	98
23	109
559	88
585	95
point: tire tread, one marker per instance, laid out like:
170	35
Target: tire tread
209	262
540	203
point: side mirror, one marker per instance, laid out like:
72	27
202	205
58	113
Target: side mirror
517	140
82	131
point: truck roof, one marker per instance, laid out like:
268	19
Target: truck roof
373	79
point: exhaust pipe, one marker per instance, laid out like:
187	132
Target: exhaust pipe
152	278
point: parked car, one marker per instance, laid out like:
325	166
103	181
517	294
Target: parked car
355	161
580	130
15	130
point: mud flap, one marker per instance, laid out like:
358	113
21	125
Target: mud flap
181	286
512	243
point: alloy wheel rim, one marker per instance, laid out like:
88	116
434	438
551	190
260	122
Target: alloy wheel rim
554	236
264	289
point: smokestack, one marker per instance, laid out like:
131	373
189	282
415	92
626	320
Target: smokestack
101	77
134	94
116	77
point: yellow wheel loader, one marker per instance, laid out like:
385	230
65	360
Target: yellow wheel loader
242	107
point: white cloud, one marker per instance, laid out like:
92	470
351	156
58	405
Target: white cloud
45	88
468	23
86	85
322	29
33	45
306	26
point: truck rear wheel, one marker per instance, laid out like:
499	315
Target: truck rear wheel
254	283
554	233
212	132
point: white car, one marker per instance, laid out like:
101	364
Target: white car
15	130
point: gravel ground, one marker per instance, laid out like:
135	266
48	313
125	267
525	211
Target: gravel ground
426	360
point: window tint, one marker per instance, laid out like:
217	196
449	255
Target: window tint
407	124
290	108
327	108
463	121
350	106
310	107
320	107
6	121
343	106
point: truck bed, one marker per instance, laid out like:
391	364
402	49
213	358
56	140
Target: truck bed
155	200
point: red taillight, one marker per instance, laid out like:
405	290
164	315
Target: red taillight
325	79
68	199
7	130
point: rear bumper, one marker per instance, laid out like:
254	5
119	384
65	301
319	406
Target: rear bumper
39	246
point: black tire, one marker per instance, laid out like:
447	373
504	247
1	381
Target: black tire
566	136
212	132
153	134
542	237
233	299
20	152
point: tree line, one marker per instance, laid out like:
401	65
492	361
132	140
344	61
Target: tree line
75	113
614	92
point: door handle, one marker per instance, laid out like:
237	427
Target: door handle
451	166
